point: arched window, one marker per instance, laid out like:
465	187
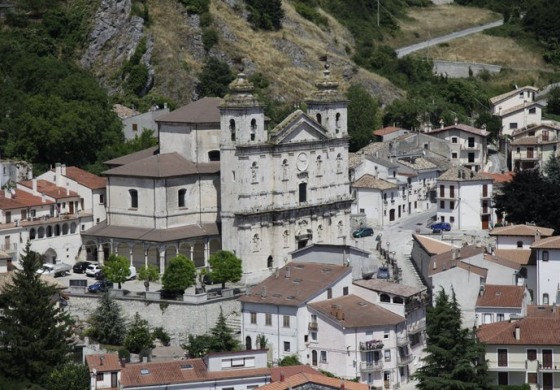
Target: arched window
248	343
254	172
182	198
32	234
339	163
253	129
285	170
314	358
398	300
214	155
72	228
384	298
302	192
65	229
337	122
269	262
133	194
545	299
318	116
41	232
57	230
319	165
232	129
49	231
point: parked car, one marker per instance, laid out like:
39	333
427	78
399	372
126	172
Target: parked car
58	269
363	232
99	275
383	273
81	266
92	269
440	226
100	286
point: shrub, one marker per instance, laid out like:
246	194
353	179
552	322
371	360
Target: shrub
209	38
160	334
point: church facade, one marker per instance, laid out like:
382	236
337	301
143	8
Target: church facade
221	180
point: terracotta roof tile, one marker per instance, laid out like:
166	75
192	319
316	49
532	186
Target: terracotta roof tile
304	281
86	178
521	230
462	127
204	110
369	181
462	174
324	382
532	140
501	296
387	130
288	371
445	261
50	189
103	362
351	311
22	199
519	256
519	107
547	243
502	261
431	245
499	177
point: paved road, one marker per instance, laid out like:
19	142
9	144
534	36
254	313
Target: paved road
446	38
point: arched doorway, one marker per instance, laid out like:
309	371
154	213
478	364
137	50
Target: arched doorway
392	215
248	343
314	358
50	256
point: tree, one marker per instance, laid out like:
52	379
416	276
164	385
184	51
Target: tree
138	338
363	118
226	267
552	170
69	376
214	79
265	14
148	273
179	275
107	322
33	328
196	346
222	338
553	101
454	360
117	269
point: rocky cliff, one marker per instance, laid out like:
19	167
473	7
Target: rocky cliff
289	58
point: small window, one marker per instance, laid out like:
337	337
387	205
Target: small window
286	321
318	116
500	317
268	319
135	127
545	256
345	290
214	155
286	346
302	192
520	244
513	125
453	140
442	204
253	318
232	129
387	353
502	357
323	356
531	354
101	199
545	299
337	122
329	293
99	376
253	129
453	155
452	205
451	219
532	110
471	142
182	198
133	198
314	336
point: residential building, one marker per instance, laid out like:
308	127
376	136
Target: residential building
497	303
135	123
315	381
532	147
390	132
467	144
517	109
217	165
13	171
105	371
514	242
464	199
524	351
547	255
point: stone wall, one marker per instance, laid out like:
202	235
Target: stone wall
455	69
178	318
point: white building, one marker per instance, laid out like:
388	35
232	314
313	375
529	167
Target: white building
547	252
468	145
134	122
517	109
464	199
532	148
497	303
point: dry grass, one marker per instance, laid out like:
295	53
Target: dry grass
487	49
425	23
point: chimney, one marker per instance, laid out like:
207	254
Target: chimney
63	169
282	377
58	173
287	272
517	332
34	183
67	191
101	358
123	362
342	386
537	235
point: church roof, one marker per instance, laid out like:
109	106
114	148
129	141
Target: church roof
163	165
154	235
204	110
127	159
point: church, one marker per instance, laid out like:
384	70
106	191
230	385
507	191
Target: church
219	179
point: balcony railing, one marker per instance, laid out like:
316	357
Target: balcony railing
313	326
371	345
402	341
417	326
511	365
403	360
373	366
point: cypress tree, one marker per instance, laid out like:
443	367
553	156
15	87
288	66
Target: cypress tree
454	359
33	328
108	324
222	338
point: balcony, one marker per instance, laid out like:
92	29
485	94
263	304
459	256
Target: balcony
445	196
313	325
402	341
403	360
511	365
373	366
372	345
417	326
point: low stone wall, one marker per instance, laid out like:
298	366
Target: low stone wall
456	69
178	318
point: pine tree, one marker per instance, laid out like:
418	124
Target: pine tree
33	328
552	170
107	321
222	338
138	337
454	359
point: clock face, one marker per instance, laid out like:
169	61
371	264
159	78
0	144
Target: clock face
302	162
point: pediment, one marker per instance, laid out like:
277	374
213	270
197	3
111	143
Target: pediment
298	127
